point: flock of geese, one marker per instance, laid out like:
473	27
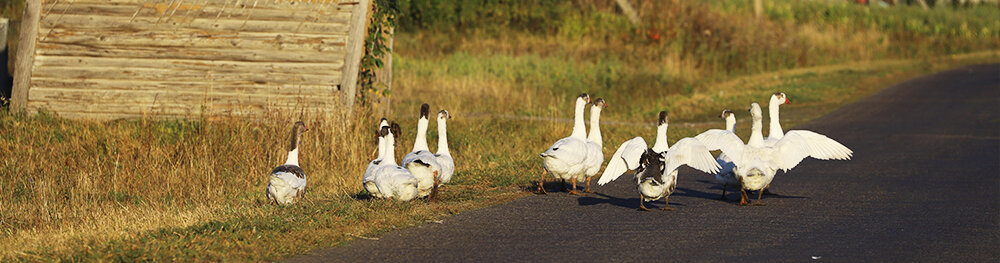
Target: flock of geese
749	165
419	176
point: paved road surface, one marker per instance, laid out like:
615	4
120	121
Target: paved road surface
923	186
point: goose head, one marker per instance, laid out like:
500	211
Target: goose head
779	98
443	115
726	114
755	112
662	119
599	103
583	99
297	130
425	110
730	118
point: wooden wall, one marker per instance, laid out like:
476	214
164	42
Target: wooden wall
106	59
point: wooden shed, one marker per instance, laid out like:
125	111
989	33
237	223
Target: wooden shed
105	59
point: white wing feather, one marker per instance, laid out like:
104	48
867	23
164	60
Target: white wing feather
798	144
569	149
727	141
690	152
625	158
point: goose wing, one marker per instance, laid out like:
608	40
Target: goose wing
293	175
625	158
571	150
690	152
727	141
799	144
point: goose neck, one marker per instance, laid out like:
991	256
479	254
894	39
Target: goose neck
579	128
595	126
420	144
389	157
731	124
442	137
381	147
775	127
661	139
756	135
293	157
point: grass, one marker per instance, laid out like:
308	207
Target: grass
192	190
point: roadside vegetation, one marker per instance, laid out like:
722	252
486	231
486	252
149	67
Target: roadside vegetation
508	71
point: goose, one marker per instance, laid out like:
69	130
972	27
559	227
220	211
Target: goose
656	169
595	146
565	159
443	155
756	163
726	177
420	161
288	181
774	131
368	179
391	180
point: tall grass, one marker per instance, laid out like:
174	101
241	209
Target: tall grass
65	180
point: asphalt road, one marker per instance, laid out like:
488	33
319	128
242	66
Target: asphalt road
922	186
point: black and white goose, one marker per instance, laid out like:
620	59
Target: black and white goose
369	177
443	155
565	159
656	171
595	144
288	181
391	180
726	177
756	163
420	161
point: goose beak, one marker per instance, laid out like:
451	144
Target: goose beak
787	101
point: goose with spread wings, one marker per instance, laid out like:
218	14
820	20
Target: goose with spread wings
756	163
656	168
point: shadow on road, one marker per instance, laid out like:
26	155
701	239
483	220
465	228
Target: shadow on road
632	202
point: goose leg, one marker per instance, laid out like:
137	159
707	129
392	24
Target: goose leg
587	190
759	194
573	191
541	186
723	192
666	204
642	207
767	190
434	190
743	196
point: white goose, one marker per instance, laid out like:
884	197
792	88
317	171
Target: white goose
288	181
391	180
656	172
443	155
369	178
595	144
726	177
756	163
565	159
774	131
420	161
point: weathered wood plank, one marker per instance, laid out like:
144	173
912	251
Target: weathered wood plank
183	75
70	21
181	12
233	54
220	66
355	50
168	6
151	97
191	38
25	54
170	109
204	87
